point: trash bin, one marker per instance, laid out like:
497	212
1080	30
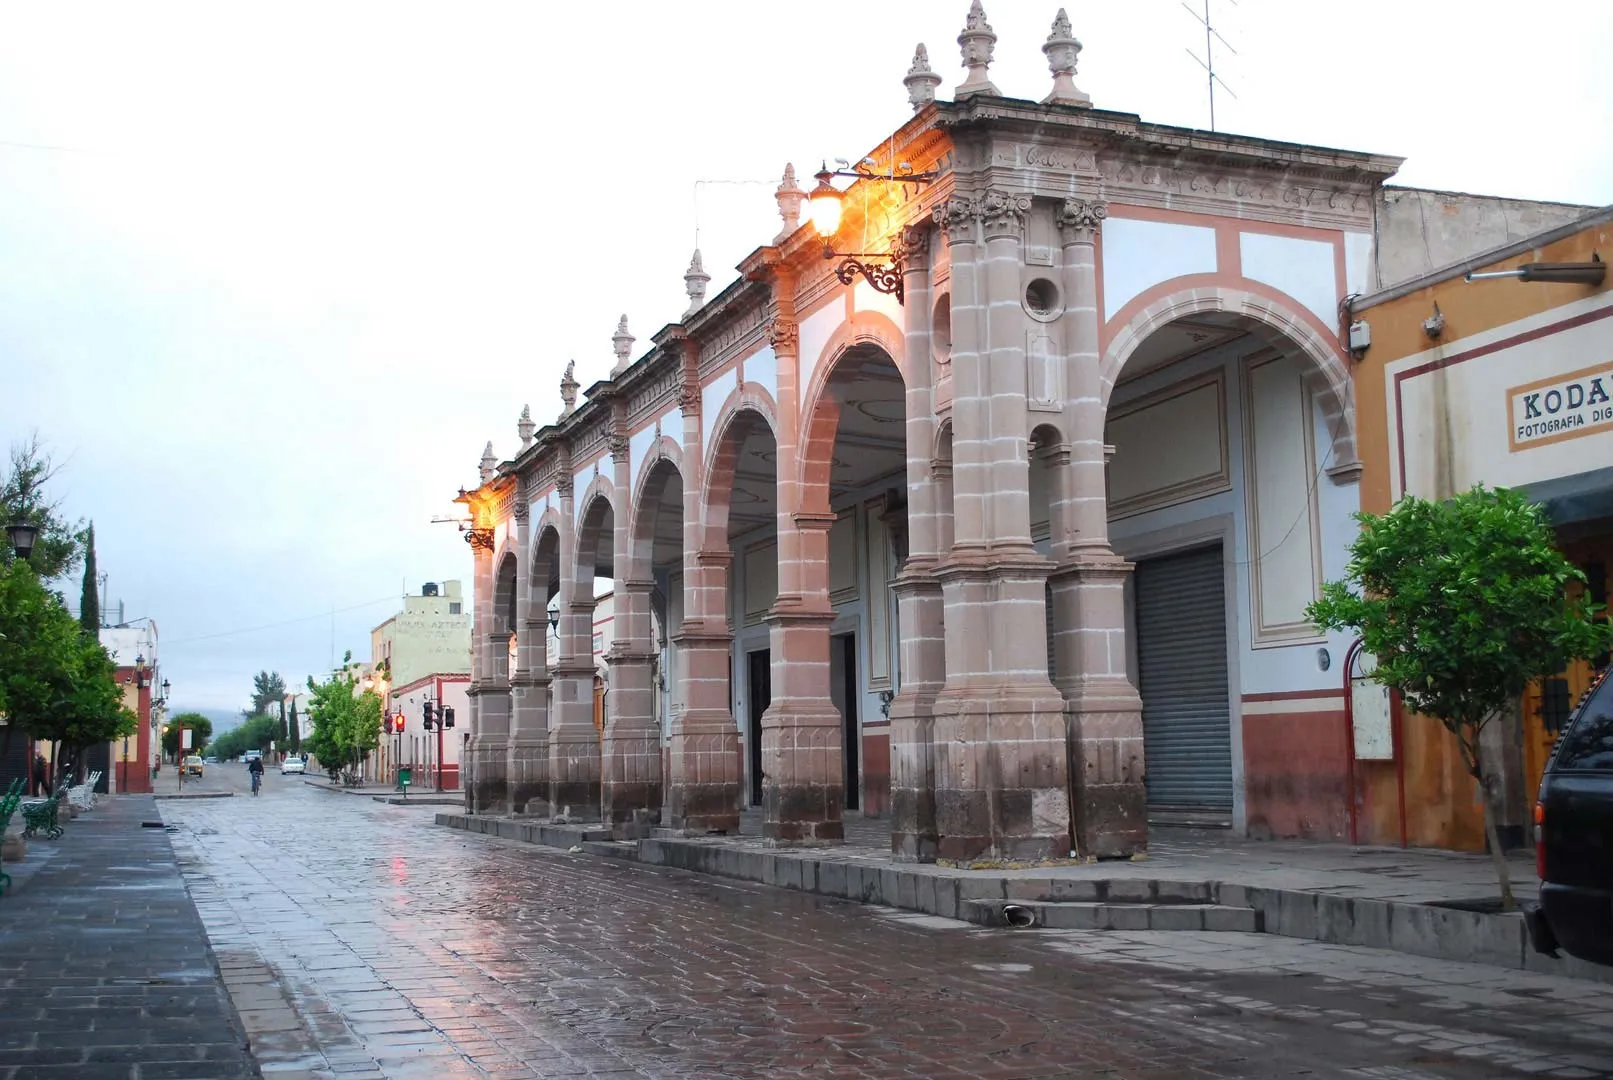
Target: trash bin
405	777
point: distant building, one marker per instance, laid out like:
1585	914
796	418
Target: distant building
430	636
125	764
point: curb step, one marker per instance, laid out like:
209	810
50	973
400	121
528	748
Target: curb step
1084	915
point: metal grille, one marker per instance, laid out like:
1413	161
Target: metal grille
1182	669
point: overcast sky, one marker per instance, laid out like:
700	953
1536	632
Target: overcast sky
272	273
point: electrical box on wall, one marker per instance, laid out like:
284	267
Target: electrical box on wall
1360	336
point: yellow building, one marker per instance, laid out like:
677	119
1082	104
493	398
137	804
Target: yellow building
1497	370
430	636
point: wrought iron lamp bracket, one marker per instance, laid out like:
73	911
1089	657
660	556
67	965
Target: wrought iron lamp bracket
479	539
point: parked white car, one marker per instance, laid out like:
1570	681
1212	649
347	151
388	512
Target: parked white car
293	765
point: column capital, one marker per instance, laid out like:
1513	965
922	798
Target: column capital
714	560
955	218
784	335
500	637
913	245
1080	219
1002	213
521	511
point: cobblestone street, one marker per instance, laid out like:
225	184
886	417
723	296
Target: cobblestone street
358	940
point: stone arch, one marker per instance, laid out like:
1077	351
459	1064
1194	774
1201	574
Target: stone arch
823	410
863	328
657	473
600	487
722	457
504	593
545	561
664	448
1283	319
595	542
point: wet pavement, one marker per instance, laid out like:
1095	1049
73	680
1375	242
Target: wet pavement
361	941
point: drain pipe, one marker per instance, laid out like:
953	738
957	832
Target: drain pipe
1018	915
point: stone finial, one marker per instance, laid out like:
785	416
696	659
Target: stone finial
694	283
977	41
568	389
622	342
524	427
1061	49
489	464
790	197
921	81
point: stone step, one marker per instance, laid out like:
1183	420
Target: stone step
1084	915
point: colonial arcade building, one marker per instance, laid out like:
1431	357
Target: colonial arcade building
1014	557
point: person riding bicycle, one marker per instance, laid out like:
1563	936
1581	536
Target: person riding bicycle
255	769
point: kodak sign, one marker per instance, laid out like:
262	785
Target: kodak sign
1564	407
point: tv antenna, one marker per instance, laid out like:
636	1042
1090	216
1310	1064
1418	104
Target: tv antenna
1211	36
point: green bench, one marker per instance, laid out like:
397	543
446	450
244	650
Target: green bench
8	807
40	816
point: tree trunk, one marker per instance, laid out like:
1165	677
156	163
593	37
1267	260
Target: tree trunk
1503	872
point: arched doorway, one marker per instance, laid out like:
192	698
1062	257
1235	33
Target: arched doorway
1229	523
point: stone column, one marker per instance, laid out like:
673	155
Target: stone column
573	739
484	754
803	756
1109	802
492	769
631	751
528	769
1001	775
921	654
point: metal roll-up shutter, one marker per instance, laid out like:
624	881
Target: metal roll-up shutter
1182	671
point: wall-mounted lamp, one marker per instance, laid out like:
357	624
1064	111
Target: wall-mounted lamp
885	699
824	205
554	620
1434	325
1582	273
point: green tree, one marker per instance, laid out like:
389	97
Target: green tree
201	725
1463	603
268	688
294	732
346	719
89	604
23	498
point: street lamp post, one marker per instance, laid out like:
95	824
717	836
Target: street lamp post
22	535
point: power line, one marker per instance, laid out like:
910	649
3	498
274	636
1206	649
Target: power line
330	613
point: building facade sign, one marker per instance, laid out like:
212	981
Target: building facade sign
1565	407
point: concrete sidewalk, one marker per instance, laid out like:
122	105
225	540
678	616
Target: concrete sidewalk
105	970
1414	901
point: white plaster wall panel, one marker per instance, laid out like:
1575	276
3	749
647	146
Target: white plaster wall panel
1335	503
672	424
816	330
762	369
1471	421
864	297
580	481
1358	263
761	581
1138	255
638	448
1282	514
1304	269
712	396
843	558
1169	447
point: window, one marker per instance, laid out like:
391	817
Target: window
1589	743
453	607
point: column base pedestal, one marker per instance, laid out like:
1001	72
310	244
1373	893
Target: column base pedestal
1108	797
703	789
1001	775
803	770
632	792
528	779
574	774
913	835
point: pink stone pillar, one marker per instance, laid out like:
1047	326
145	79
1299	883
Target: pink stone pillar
803	756
495	722
574	766
1001	776
527	765
485	751
1102	708
921	653
704	768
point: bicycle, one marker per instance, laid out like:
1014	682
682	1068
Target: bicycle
257	779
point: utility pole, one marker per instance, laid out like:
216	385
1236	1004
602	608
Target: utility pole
1211	36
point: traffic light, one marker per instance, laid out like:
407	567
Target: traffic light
447	716
397	723
430	722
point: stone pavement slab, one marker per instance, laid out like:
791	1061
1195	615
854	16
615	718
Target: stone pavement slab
105	970
404	951
1380	897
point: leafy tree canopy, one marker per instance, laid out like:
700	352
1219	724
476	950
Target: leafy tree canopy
201	725
268	688
1463	603
346	720
23	498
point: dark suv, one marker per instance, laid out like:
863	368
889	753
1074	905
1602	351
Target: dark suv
1574	837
